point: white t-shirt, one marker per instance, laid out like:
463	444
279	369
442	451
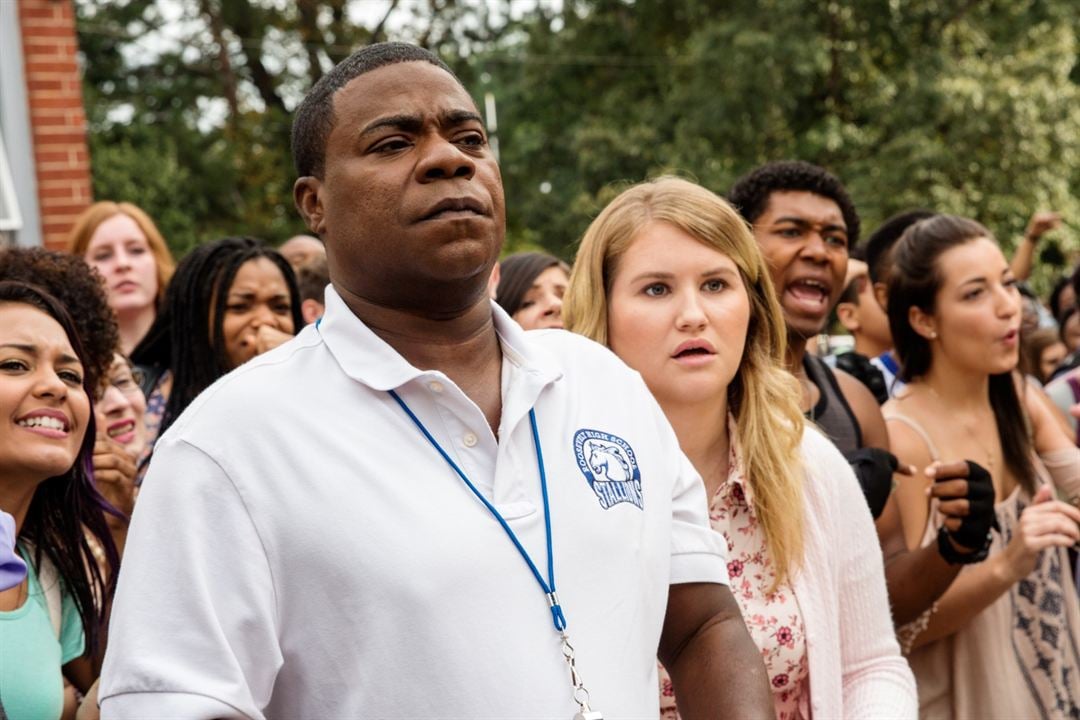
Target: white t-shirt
300	550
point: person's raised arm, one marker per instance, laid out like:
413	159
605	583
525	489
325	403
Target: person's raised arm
1024	258
715	667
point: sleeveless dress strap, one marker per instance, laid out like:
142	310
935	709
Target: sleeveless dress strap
919	430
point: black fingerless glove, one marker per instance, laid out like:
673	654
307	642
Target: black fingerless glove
974	530
874	470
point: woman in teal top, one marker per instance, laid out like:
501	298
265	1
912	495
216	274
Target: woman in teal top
50	620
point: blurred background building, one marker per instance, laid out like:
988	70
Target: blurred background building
44	160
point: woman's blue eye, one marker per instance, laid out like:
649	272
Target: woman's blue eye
656	290
715	285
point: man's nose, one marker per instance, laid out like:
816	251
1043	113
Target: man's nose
443	159
815	247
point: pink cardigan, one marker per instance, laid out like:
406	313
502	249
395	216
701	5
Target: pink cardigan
856	670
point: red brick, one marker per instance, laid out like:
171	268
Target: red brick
47	65
51	116
44	120
57	240
54	184
49	75
49	110
48	167
32	25
34	44
65	174
53	155
53	137
37	85
29	9
59	227
65	102
66	191
47	30
63	218
57	49
62	222
70	209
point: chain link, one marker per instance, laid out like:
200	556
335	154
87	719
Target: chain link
581	693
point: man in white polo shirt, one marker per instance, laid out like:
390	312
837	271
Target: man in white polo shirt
416	509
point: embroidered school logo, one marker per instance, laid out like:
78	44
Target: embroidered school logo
608	463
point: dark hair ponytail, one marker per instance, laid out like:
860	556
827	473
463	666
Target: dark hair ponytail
914	281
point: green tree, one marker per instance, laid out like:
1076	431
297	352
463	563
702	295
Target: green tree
964	108
967	107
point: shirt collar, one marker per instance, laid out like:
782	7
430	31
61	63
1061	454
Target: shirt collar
736	477
367	358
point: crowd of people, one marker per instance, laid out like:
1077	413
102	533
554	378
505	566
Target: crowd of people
376	472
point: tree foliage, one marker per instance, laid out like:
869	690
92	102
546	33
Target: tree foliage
965	106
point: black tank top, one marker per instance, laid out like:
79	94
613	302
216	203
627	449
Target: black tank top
832	414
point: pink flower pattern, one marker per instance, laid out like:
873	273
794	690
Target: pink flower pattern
774	619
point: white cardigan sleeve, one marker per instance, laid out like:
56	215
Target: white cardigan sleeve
876	679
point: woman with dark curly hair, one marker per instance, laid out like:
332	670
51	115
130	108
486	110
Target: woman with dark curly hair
51	623
69	280
229	301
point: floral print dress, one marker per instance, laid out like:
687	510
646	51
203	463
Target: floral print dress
773	619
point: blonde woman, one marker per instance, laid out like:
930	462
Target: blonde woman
122	243
670	278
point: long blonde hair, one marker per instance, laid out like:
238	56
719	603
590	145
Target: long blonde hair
763	397
90	219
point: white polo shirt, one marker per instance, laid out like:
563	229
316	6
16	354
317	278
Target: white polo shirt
299	550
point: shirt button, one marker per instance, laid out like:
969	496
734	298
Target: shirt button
435	386
469	440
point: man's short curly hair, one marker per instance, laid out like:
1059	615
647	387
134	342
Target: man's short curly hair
314	118
80	290
750	193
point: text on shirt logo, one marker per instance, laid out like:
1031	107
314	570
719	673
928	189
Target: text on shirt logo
608	463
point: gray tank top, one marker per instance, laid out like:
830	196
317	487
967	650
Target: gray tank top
832	414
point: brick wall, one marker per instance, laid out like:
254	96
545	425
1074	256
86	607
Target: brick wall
57	119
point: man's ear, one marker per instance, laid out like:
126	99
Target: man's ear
922	323
308	198
493	280
881	294
846	313
311	310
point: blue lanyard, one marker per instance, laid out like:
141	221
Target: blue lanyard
548	587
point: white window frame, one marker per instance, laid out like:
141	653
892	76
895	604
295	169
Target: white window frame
12	222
